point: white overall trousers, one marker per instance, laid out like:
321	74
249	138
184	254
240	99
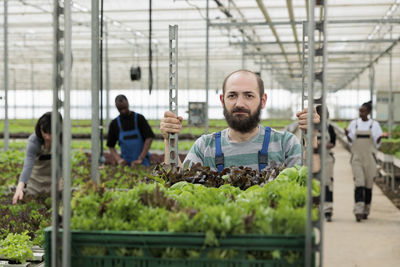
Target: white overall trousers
364	169
40	179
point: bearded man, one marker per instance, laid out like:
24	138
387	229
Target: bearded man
245	142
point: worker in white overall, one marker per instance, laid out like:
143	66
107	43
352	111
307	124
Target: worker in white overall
329	163
364	135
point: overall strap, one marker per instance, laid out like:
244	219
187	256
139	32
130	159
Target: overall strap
136	120
219	156
119	123
263	153
372	123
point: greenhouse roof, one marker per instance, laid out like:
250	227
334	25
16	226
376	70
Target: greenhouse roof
263	36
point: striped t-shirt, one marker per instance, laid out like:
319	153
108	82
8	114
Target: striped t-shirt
283	148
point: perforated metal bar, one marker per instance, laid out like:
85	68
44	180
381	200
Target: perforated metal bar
322	127
303	80
173	89
309	71
309	78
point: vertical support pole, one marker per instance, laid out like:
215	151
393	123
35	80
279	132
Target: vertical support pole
150	48
358	91
57	81
207	62
6	133
66	152
243	52
272	83
304	76
308	80
173	89
107	79
101	86
187	75
372	86
95	93
15	93
390	106
157	87
310	130
323	128
33	93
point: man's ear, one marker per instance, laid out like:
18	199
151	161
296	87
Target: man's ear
221	98
264	100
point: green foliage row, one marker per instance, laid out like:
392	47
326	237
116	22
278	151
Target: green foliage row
84	126
85	145
31	215
11	163
342	124
390	146
276	208
395	130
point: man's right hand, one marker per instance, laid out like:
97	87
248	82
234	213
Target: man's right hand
19	193
170	124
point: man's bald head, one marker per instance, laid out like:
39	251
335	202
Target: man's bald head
260	82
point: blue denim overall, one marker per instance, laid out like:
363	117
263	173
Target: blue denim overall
131	143
262	154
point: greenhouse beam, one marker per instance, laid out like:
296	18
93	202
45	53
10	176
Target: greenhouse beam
57	81
66	152
274	23
6	132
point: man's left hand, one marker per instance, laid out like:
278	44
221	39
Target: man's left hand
136	162
303	116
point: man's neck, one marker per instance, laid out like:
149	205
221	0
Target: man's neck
236	136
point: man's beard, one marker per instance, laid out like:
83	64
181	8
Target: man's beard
241	123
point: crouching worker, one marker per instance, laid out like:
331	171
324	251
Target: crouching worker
36	172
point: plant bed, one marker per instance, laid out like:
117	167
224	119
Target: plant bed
394	196
390	146
32	214
187	220
128	248
17	249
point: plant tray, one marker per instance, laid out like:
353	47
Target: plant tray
129	248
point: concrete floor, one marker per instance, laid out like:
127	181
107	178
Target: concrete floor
370	243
